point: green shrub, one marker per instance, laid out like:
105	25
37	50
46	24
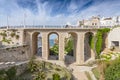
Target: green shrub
3	76
6	40
3	34
69	45
112	72
39	75
32	66
56	76
11	73
12	34
100	34
55	49
17	36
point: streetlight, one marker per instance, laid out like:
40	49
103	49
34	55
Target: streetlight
7	21
24	21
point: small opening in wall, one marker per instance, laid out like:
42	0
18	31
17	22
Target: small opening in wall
17	43
115	43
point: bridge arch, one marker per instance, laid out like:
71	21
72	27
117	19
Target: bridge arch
37	43
87	48
53	45
71	42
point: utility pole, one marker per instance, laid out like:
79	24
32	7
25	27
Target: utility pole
24	21
7	22
33	23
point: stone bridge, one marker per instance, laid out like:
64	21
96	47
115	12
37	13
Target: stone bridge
81	42
81	45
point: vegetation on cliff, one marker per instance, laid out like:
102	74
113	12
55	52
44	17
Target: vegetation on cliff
100	38
97	42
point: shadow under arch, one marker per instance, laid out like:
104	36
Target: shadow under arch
36	49
70	43
87	47
55	42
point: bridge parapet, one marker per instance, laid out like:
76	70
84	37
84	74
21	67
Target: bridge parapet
53	27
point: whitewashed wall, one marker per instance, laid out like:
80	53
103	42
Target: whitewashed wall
114	35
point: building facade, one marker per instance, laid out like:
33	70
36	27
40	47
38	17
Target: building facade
96	21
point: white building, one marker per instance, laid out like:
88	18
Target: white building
114	38
107	22
110	22
101	22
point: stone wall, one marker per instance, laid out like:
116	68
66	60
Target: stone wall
15	53
9	37
21	67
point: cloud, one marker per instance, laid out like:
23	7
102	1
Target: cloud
46	12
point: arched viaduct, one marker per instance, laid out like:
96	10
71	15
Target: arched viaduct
80	39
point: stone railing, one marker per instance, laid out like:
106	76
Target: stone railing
52	27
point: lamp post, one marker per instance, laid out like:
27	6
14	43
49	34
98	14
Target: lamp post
24	21
7	22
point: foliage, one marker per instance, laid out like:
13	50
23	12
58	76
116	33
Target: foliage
17	36
39	75
6	40
37	69
12	34
99	36
69	45
3	34
110	56
112	72
99	44
3	75
56	76
55	49
32	66
11	73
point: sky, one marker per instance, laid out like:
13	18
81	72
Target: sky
54	12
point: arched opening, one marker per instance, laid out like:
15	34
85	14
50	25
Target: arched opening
53	46
70	48
37	44
87	46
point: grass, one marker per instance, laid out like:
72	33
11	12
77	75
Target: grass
88	75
